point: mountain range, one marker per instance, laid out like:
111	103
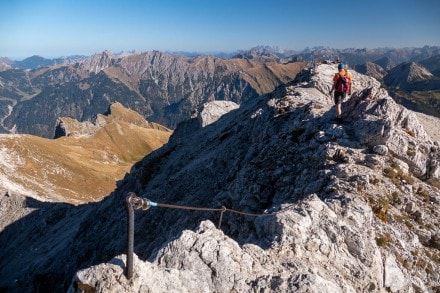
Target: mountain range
164	88
295	203
352	56
168	88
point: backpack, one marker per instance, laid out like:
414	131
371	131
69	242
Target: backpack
342	84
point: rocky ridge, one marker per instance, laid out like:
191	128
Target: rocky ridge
347	208
413	85
67	126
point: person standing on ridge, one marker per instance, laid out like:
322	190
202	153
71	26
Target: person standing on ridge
341	86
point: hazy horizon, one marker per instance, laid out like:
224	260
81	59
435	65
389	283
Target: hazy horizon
53	29
21	58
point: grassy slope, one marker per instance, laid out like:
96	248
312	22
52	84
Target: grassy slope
80	169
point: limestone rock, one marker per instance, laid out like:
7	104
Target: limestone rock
212	111
70	127
380	149
394	278
116	112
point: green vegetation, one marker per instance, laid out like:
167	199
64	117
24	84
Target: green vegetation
434	256
411	152
396	175
380	207
404	262
383	240
423	264
423	193
395	196
374	180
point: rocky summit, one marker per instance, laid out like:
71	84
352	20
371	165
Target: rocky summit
309	205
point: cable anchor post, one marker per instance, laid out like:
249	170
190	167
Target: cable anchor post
130	234
221	217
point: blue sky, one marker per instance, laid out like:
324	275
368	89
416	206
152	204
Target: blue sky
54	28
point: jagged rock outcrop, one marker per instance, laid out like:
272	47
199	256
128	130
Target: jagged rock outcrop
98	62
70	127
371	69
302	241
211	112
335	208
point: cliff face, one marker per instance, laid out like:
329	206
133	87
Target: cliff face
347	208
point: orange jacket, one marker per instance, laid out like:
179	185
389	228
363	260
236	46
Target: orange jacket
349	76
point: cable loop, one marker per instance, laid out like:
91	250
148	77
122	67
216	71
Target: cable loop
144	204
140	203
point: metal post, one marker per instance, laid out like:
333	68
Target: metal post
130	235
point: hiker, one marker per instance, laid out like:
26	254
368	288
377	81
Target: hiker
341	86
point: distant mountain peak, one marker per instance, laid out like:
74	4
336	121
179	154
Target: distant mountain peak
371	69
34	61
98	62
407	75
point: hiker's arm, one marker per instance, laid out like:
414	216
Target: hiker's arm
333	88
